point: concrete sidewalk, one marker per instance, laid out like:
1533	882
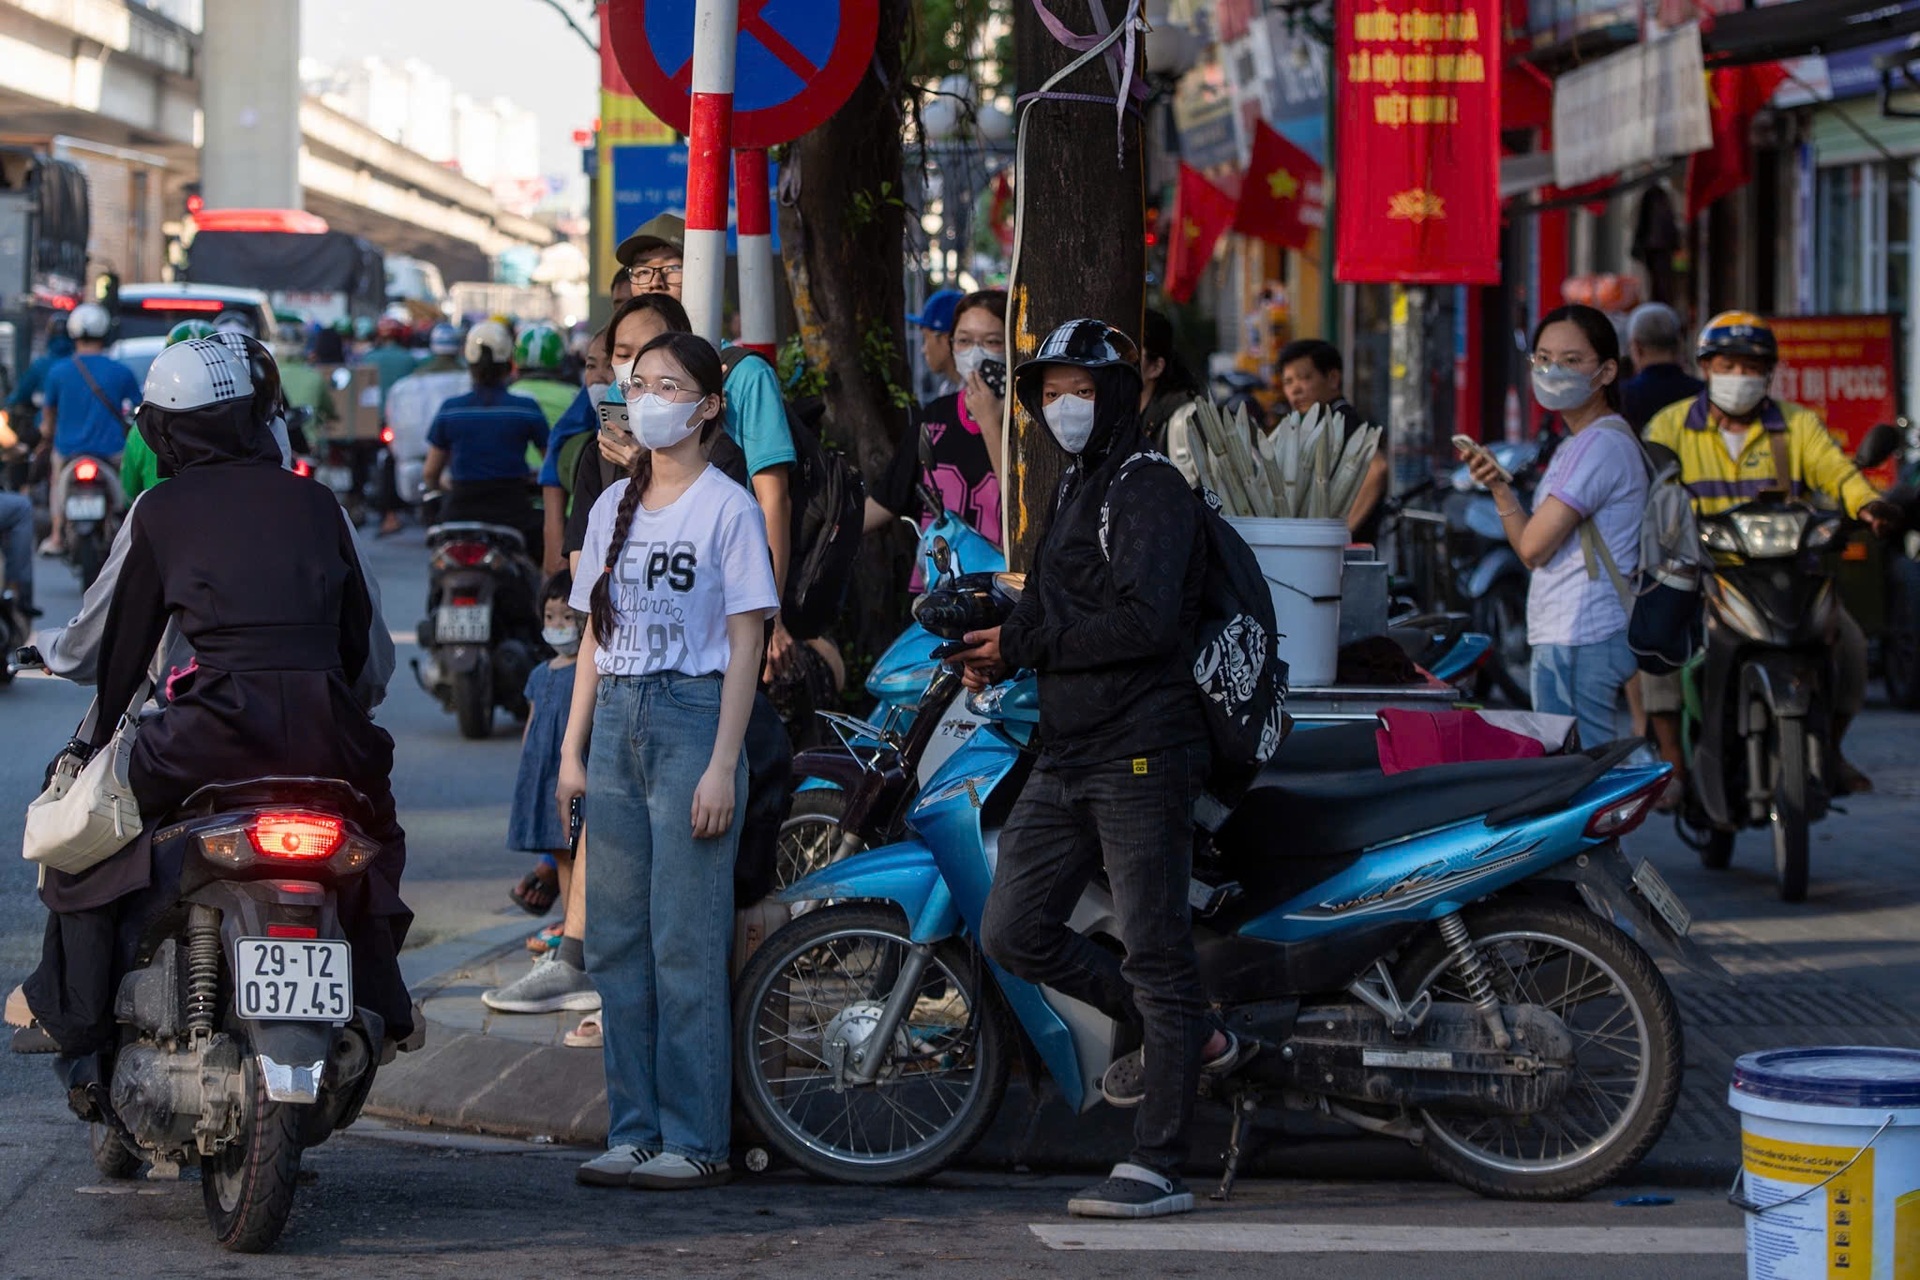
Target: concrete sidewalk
1841	968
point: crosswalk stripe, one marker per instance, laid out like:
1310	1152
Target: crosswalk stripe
1245	1237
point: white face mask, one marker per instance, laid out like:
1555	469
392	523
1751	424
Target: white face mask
662	424
564	641
1736	393
1070	418
622	375
1559	390
967	363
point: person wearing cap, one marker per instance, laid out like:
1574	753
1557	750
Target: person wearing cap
935	320
756	410
1108	621
1733	440
1653	344
410	409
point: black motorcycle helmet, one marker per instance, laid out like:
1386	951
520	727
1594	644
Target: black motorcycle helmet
971	602
1112	359
268	402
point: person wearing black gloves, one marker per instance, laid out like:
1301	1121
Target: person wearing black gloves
1108	621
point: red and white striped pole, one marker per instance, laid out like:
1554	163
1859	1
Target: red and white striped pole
756	250
715	32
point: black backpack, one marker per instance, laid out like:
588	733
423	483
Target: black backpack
1237	664
829	505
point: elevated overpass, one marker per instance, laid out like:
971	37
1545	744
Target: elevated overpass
125	77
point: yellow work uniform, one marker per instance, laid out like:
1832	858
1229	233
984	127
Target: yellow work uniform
1718	481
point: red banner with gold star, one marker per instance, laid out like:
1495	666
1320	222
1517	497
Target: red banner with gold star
1202	213
1283	198
1417	145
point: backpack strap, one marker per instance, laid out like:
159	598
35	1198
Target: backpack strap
1598	556
118	415
1782	467
1133	462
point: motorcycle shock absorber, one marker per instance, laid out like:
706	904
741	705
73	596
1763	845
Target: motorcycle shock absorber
203	970
1472	968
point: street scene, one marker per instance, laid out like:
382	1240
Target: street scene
1216	637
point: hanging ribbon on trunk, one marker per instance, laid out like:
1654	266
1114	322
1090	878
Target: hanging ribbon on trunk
1119	44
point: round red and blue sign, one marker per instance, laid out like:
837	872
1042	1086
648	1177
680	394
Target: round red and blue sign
797	61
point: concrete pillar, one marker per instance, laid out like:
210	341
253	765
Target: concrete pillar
250	95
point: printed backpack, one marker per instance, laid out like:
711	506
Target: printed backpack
1237	665
829	503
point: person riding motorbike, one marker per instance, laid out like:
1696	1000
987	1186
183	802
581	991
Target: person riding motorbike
139	469
87	399
479	442
1108	620
538	356
279	623
1734	442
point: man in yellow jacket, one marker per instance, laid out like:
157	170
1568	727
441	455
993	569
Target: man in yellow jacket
1728	442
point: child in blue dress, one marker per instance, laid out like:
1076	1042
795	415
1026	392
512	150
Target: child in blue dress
558	979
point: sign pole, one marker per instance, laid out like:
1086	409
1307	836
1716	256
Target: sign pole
756	250
715	33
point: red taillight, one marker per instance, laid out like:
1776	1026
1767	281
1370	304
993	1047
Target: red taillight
182	304
386	435
302	836
1622	816
466	554
465	600
292	931
301	467
86	471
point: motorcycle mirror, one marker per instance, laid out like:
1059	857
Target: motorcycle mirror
926	450
29	659
1878	445
942	556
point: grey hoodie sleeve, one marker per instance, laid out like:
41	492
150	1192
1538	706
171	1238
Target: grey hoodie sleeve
370	690
73	651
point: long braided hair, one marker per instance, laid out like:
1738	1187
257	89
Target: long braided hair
701	362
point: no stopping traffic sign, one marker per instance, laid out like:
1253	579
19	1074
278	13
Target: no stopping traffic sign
797	61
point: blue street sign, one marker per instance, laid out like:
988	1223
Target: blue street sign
648	181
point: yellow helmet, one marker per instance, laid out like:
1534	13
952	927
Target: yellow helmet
1737	333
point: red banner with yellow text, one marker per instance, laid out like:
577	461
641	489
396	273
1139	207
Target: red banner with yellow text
1842	368
1417	146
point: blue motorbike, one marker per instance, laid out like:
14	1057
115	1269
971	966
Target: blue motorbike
1459	956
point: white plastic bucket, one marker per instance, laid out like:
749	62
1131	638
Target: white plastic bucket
1830	1162
1302	561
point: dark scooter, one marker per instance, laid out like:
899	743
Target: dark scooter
481	635
93	507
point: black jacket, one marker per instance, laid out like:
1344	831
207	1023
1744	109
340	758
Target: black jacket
1653	389
1111	631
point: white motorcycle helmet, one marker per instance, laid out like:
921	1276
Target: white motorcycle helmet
489	341
89	322
196	375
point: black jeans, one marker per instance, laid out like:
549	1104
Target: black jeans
1133	817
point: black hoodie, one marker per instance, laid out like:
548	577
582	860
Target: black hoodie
1110	629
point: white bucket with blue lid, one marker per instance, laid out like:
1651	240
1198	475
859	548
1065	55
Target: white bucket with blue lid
1830	1162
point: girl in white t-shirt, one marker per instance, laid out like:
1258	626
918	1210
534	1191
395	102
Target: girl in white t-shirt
677	583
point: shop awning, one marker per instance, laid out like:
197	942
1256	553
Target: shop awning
1802	28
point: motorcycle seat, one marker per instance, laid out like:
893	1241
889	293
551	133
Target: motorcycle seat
1345	805
476	530
329	794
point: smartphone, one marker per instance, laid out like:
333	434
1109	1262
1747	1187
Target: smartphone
613	417
1473	448
576	822
994	374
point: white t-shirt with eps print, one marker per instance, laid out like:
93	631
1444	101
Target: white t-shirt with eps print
685	569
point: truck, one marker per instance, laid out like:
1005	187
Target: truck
44	215
301	263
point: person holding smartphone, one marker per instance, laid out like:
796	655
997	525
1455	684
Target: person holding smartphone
962	428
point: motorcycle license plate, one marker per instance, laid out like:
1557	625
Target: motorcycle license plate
338	479
1653	887
87	506
464	624
281	979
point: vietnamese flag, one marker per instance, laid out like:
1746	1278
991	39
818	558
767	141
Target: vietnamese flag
1284	196
1734	96
1202	213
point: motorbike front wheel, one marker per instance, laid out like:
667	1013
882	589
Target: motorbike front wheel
1627	1052
1791	839
815	991
248	1187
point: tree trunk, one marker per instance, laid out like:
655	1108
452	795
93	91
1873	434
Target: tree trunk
1083	239
842	236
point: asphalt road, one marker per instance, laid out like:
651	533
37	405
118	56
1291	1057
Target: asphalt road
396	1204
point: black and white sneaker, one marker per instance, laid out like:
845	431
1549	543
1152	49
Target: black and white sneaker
1133	1191
1125	1081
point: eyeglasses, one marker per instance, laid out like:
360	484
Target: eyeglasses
665	388
648	277
1573	364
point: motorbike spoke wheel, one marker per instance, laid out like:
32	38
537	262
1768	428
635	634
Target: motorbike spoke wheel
1625	1076
824	978
1790	834
248	1187
810	837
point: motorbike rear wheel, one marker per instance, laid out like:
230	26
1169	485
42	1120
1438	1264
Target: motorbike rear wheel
1627	1051
810	837
1791	838
473	701
823	978
89	553
248	1187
